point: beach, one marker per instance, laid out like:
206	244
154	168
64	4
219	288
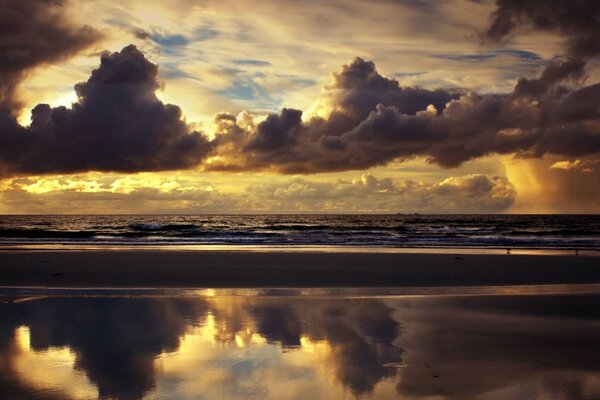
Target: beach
123	268
379	324
110	309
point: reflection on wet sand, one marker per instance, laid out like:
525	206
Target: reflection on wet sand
114	340
321	347
532	347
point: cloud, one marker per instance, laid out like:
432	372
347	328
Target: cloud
476	193
488	55
118	124
34	33
577	165
112	193
149	193
362	119
575	21
285	143
374	121
251	62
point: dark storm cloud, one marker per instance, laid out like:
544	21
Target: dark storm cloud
118	124
375	121
286	143
33	33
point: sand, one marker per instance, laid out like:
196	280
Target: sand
243	269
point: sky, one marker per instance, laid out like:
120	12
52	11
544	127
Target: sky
387	106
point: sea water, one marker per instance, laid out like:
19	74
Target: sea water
392	231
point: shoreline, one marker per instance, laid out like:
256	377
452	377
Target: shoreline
19	294
126	268
479	250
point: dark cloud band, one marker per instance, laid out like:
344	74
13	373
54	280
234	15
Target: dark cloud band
118	124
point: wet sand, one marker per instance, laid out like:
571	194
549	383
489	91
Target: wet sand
243	269
127	346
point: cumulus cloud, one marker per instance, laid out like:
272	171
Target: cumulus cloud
286	143
117	124
34	33
374	121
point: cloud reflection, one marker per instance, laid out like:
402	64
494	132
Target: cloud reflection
115	340
293	347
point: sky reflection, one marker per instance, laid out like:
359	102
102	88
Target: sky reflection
321	347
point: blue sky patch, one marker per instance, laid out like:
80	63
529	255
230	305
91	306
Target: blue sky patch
243	89
251	62
169	40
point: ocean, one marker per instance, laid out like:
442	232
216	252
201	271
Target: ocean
385	231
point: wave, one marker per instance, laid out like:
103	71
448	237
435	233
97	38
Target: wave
43	233
158	227
555	232
333	228
338	230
